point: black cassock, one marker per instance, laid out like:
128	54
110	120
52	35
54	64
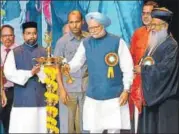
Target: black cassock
160	83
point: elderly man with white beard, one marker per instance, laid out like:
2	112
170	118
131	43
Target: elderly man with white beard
159	70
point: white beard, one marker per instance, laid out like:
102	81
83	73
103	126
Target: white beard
156	38
100	34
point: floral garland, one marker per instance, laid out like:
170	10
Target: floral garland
51	98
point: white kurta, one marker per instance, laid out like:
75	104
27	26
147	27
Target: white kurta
106	114
28	120
24	119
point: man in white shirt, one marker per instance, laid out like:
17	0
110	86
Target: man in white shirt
8	43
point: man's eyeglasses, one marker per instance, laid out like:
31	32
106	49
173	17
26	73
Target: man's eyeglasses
8	35
146	13
94	28
152	26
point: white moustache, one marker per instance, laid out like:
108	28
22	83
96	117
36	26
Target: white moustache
157	37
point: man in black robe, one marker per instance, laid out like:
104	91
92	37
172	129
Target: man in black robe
160	78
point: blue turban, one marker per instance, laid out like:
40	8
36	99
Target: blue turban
99	17
162	14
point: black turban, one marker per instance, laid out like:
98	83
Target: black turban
29	25
162	14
